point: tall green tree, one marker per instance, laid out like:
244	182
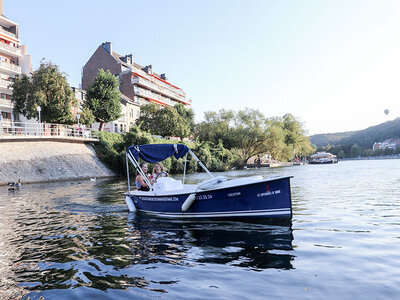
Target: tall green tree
341	154
249	133
187	114
148	119
275	143
103	98
355	151
216	126
166	121
47	88
244	130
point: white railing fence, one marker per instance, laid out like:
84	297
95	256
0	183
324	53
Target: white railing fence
8	128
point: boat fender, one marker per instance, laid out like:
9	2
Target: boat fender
130	204
188	202
212	182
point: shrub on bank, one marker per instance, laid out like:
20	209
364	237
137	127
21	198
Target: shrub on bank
107	151
112	147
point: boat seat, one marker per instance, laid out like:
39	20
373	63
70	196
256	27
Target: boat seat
165	184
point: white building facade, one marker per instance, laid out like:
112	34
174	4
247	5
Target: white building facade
13	62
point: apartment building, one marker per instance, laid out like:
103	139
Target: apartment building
13	62
138	84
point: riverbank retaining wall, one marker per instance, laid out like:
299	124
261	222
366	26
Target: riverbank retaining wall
41	161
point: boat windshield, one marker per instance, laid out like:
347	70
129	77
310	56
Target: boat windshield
153	153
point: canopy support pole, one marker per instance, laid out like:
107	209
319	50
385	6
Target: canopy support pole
127	172
200	163
184	170
139	169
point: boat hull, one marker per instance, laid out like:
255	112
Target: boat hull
330	162
261	199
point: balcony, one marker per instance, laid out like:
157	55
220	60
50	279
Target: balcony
11	68
6	103
159	82
6	84
148	94
158	88
15	51
13	35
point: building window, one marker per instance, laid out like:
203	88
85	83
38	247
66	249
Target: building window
122	128
116	128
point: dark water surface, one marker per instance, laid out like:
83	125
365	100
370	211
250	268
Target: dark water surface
74	240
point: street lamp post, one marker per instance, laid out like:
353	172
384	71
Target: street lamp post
78	117
39	109
1	123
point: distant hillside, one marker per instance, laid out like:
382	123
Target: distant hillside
364	138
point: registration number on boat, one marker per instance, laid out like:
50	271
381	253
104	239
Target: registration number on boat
204	197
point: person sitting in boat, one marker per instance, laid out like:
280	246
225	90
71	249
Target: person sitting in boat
158	171
140	183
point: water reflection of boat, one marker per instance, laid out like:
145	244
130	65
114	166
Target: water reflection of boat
216	197
242	244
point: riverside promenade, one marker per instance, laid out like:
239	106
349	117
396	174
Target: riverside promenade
41	156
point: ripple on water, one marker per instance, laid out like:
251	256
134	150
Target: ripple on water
70	240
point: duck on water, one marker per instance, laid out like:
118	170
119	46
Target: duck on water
14	185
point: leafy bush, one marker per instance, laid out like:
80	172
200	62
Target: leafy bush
112	147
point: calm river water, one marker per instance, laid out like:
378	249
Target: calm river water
74	240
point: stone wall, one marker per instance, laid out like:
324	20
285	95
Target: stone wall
40	161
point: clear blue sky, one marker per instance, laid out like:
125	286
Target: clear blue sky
335	65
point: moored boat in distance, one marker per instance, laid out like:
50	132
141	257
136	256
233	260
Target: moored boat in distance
323	158
217	197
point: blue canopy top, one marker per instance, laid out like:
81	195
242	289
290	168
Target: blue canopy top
153	153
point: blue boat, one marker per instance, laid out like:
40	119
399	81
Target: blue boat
217	197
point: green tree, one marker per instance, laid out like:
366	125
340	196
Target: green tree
252	134
355	151
86	116
295	136
171	123
166	121
388	151
249	133
187	114
103	98
341	154
276	146
377	152
148	118
47	88
216	127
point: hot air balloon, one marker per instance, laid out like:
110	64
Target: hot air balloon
386	111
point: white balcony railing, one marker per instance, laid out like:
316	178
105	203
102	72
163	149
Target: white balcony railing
149	84
8	66
155	96
2	30
10	48
6	84
160	82
6	102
